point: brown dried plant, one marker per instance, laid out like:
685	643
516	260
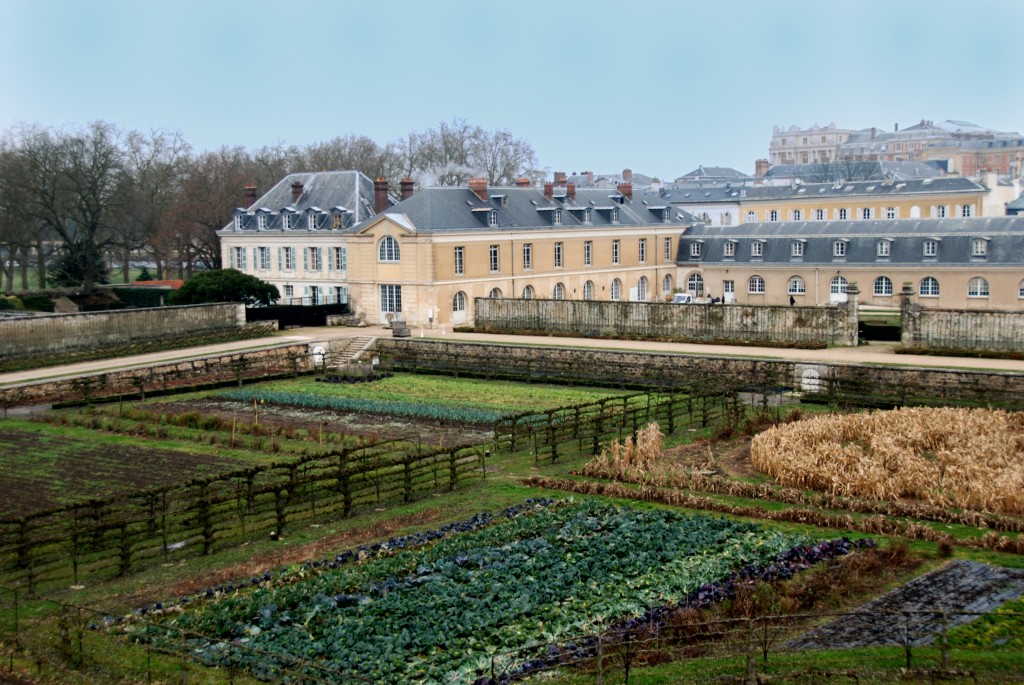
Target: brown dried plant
630	458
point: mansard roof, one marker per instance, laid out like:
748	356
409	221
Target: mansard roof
436	210
824	191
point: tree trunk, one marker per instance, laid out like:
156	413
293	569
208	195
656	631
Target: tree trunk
126	269
23	263
41	263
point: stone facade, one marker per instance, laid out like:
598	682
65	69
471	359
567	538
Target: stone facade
69	332
777	325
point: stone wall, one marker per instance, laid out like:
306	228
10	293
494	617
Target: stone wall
839	383
69	332
959	330
248	365
811	326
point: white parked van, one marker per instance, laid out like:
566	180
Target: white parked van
682	298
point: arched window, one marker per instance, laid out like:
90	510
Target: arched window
883	286
755	285
977	287
666	284
695	284
559	292
641	289
837	286
528	292
588	290
616	290
929	287
459	302
387	250
495	293
796	286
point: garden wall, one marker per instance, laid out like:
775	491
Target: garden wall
69	332
960	330
814	326
839	383
237	366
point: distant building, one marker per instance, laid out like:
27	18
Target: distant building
812	145
954	262
719	174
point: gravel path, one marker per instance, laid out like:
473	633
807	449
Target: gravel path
961	587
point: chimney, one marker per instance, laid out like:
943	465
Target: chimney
874	133
560	178
896	127
479	187
248	195
296	192
627	175
761	167
549	190
380	195
522	183
407	188
590	177
627	190
656	184
570	190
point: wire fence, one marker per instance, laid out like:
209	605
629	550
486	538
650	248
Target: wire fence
42	638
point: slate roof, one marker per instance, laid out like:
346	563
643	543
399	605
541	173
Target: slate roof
1004	236
709	172
875	169
436	210
829	191
349	194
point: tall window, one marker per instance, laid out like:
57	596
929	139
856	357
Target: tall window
773	215
883	286
492	218
977	287
865	213
289	291
844	214
940	212
588	290
755	286
839	248
798	215
586	215
666	283
459	302
641	289
341	294
796	286
614	215
391	298
559	292
339	259
819	215
314	294
890	212
729	287
929	287
615	252
558	256
616	290
528	256
588	252
387	251
528	292
313	259
287	258
240	258
751	216
261	221
757	249
966	210
931	248
311	222
695	284
286	221
668	249
264	257
556	217
495	263
460	261
642	247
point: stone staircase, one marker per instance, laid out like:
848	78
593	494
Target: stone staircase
352	349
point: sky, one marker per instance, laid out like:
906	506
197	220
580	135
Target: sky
656	87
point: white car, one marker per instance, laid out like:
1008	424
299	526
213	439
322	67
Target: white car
682	298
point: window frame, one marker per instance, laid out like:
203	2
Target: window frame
527	256
388	250
616	252
459	260
978	288
756	285
588	253
882	287
494	259
930	291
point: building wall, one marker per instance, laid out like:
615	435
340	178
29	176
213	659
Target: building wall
66	332
806	146
904	207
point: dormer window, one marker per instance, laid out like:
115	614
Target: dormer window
695	250
882	248
492	218
931	247
797	248
839	249
757	248
238	222
286	221
614	217
556	217
336	220
586	215
311	222
979	248
729	248
666	215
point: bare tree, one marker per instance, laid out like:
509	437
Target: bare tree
70	182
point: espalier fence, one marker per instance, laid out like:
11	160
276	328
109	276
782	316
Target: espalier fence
102	538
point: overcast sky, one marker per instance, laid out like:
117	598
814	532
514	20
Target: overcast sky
591	84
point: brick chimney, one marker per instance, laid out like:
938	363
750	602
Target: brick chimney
760	167
407	188
627	190
522	183
248	195
627	175
479	187
570	190
549	190
560	178
380	195
590	177
296	192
